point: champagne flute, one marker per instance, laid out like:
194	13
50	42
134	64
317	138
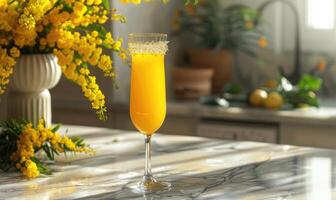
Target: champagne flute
148	95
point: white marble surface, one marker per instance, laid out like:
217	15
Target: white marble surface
198	169
325	115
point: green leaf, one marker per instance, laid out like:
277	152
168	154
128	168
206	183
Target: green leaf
42	169
56	128
67	8
310	83
106	46
94	27
233	88
99	28
106	4
47	150
79	142
299	98
9	133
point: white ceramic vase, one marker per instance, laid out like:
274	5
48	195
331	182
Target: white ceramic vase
29	96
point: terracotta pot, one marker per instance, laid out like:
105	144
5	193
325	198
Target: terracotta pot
190	83
221	62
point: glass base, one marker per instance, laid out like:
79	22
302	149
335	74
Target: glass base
150	185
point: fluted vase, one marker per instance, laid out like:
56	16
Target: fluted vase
29	97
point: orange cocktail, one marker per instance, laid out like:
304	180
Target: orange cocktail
148	95
148	92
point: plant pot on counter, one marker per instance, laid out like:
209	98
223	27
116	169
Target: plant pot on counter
221	62
190	83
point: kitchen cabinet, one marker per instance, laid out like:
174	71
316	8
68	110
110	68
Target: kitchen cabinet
310	127
238	131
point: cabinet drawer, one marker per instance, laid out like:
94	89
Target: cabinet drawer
238	131
216	131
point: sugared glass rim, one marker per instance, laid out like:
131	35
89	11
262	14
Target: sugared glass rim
147	37
147	43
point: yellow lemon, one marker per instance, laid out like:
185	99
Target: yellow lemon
271	84
257	97
274	101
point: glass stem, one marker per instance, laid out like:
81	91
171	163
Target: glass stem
148	167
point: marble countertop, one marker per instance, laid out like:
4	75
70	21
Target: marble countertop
198	168
322	115
325	115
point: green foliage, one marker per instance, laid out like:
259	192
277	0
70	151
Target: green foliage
299	98
233	88
42	169
303	93
231	28
106	4
308	82
10	133
96	27
79	142
56	128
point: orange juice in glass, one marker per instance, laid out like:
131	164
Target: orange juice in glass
148	95
148	92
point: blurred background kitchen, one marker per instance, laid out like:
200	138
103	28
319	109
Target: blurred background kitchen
236	69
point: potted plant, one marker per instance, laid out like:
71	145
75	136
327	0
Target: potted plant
219	33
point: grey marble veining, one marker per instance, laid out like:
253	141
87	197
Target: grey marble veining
198	169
